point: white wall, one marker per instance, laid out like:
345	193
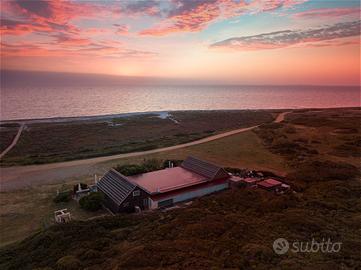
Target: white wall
190	194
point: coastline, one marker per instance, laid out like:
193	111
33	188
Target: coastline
161	114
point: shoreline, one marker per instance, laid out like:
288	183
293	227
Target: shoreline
161	114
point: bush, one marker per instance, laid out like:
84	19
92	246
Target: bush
64	196
152	164
130	169
175	162
315	171
134	169
68	263
92	202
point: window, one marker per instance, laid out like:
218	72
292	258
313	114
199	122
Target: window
165	203
136	193
145	203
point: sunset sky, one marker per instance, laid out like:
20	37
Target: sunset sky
232	41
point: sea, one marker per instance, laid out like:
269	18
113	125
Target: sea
66	101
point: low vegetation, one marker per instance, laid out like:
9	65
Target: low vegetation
64	196
234	229
310	135
147	165
28	211
8	132
61	141
92	202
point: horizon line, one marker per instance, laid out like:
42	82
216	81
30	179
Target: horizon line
176	81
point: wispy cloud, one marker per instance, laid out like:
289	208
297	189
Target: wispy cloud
102	49
328	13
147	7
193	16
287	38
121	29
45	16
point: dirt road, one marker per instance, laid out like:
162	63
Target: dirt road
19	177
21	128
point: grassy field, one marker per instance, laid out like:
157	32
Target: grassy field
53	142
244	150
233	229
25	212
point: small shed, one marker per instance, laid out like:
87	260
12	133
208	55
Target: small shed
270	184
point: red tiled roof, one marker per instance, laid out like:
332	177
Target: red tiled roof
269	183
192	172
167	180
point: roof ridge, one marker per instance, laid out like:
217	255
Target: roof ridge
130	181
205	161
123	176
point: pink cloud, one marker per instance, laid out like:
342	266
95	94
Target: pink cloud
108	49
190	17
46	16
121	29
328	13
193	16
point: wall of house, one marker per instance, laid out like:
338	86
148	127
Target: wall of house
188	195
109	203
142	200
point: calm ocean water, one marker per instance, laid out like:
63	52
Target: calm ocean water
47	102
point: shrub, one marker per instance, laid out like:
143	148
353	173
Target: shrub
314	171
152	164
130	169
92	202
68	263
175	162
148	165
64	196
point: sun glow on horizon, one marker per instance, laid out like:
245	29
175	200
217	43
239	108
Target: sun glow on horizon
255	42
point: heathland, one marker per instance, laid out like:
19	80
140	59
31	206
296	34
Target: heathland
317	150
46	142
